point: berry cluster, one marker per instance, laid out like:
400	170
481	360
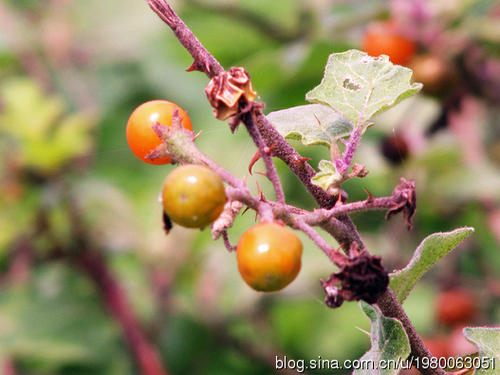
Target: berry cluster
194	196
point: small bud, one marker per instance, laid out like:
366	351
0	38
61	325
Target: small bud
167	223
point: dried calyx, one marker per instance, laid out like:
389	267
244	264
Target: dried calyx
225	90
405	200
362	277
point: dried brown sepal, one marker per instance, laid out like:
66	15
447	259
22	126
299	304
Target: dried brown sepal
226	218
362	278
159	152
177	142
225	90
358	170
167	223
332	299
405	200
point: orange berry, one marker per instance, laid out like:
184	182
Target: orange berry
141	137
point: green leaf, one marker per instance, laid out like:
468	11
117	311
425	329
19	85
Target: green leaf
312	124
430	250
388	342
487	341
327	176
359	86
55	319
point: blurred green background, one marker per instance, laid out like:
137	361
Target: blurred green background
71	72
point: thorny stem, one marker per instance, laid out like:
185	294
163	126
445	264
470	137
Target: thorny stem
297	164
391	308
321	215
271	173
243	195
205	62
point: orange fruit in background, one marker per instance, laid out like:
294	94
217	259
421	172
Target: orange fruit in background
382	38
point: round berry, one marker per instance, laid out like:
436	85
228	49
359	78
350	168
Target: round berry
455	307
193	196
438	346
141	137
269	256
383	39
395	148
435	73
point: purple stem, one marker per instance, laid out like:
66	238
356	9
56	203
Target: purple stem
344	164
336	257
227	243
222	172
271	172
243	195
391	308
148	359
322	214
297	164
203	60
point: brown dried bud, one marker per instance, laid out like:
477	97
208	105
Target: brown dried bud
167	223
358	170
332	299
404	197
362	278
225	90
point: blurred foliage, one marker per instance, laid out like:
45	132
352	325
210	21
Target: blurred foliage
70	74
44	139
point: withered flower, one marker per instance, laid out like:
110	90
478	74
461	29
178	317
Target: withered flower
225	90
405	200
362	278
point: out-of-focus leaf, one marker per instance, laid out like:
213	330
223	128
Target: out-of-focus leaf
311	124
27	113
327	176
69	139
388	342
45	138
54	319
487	341
25	4
359	86
24	211
311	339
430	250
